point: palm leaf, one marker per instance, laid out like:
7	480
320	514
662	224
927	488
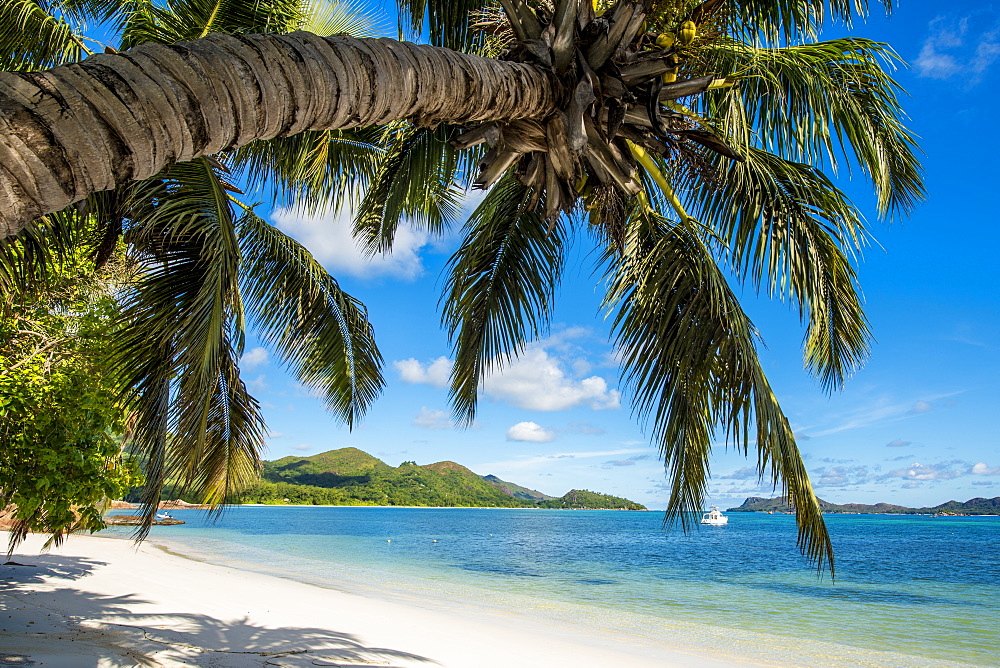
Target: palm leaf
821	103
313	170
500	287
446	21
341	17
690	364
184	330
417	179
787	229
36	36
320	331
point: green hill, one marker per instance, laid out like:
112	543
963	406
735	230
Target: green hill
349	476
977	506
582	498
516	491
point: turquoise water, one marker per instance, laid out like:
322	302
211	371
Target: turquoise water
926	589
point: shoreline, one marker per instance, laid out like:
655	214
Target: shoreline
99	597
162	605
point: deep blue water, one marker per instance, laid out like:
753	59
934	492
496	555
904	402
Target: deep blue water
921	586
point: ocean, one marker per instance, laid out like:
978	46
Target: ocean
909	590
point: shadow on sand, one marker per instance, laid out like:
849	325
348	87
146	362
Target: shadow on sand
43	621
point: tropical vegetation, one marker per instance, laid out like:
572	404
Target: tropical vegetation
351	477
60	418
687	141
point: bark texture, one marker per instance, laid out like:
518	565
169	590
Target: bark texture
78	129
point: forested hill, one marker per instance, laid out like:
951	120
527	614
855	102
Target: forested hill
977	506
349	476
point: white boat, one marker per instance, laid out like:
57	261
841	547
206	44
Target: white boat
714	517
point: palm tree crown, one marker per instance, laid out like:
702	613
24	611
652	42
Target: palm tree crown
689	145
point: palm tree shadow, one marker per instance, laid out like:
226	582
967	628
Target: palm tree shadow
41	567
101	630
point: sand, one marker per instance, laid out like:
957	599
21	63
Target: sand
103	602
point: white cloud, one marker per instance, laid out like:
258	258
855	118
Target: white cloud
959	49
258	384
930	472
433	419
436	372
541	460
898	443
881	411
537	381
253	358
304	447
980	468
631	461
329	237
274	434
840	476
530	431
745	473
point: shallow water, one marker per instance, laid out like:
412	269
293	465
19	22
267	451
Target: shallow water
926	589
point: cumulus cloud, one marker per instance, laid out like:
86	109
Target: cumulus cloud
274	434
538	381
253	358
897	444
959	48
329	236
433	419
530	431
436	372
980	468
303	447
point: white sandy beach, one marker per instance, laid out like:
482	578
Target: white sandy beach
101	602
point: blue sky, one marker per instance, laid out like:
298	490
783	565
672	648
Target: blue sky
917	426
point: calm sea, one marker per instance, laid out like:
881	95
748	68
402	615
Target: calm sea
909	591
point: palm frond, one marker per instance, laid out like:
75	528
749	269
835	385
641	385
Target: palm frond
821	103
792	20
313	170
341	17
690	365
417	179
36	36
184	20
183	332
446	21
500	287
27	259
320	331
787	229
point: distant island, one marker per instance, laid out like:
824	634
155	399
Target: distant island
352	477
977	506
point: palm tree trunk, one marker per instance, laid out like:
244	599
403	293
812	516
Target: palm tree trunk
94	125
